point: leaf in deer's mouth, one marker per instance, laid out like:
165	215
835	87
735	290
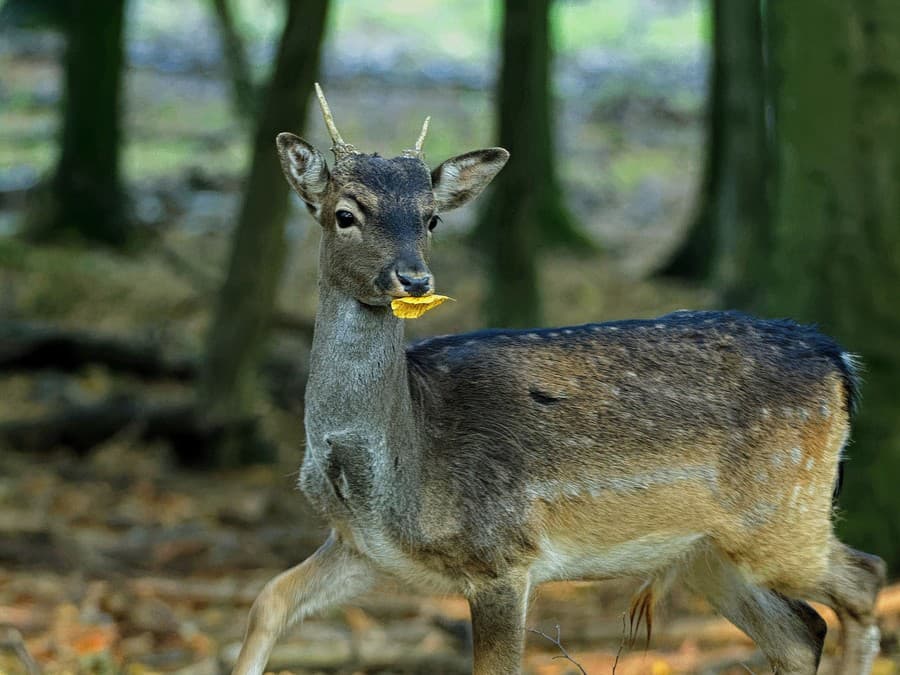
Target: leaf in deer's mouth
413	307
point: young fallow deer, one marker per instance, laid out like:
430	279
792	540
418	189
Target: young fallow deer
701	447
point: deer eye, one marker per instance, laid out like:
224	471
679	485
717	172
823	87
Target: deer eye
432	223
345	218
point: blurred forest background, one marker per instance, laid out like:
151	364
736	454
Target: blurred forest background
157	281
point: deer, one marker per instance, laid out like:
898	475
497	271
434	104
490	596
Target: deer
700	448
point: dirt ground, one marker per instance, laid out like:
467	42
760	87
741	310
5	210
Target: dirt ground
119	563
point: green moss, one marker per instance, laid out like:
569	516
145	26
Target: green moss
153	158
626	171
672	35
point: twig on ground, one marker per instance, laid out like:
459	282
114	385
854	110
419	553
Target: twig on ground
565	654
621	646
11	639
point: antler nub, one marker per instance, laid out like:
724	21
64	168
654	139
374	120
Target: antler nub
416	152
339	147
421	140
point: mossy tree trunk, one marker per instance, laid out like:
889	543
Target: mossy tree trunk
240	325
729	225
85	200
525	208
835	240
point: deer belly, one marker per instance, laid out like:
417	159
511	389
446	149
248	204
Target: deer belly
561	559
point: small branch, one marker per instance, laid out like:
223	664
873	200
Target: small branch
565	654
206	284
621	646
11	639
243	93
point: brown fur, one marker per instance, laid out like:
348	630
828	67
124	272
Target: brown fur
700	448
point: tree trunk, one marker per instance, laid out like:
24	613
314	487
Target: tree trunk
228	388
835	248
85	199
728	231
525	207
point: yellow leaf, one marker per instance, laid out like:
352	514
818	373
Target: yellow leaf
413	307
660	668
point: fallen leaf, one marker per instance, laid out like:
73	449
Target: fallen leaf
413	307
94	640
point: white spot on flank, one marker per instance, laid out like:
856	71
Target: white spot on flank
660	325
614	328
824	410
796	455
560	560
809	463
631	373
533	336
762	476
794	495
595	487
776	459
568	331
553	334
764	412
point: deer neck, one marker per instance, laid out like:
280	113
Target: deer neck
358	381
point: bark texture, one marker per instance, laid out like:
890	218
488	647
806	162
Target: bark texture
835	241
728	232
85	199
229	381
525	208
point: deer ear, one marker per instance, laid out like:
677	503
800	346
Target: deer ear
305	169
460	179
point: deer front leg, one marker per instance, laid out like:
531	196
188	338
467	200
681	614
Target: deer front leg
498	626
333	574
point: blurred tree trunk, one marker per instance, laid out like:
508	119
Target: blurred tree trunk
243	93
525	207
835	242
85	198
228	388
729	226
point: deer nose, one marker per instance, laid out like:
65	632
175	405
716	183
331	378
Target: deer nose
414	283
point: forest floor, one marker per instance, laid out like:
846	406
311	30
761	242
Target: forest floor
118	562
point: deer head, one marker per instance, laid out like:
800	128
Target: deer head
377	214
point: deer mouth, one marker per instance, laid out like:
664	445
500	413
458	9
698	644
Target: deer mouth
393	284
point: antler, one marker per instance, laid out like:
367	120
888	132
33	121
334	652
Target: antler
416	152
339	147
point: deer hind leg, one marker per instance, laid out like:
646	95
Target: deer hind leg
498	626
331	575
789	632
850	587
